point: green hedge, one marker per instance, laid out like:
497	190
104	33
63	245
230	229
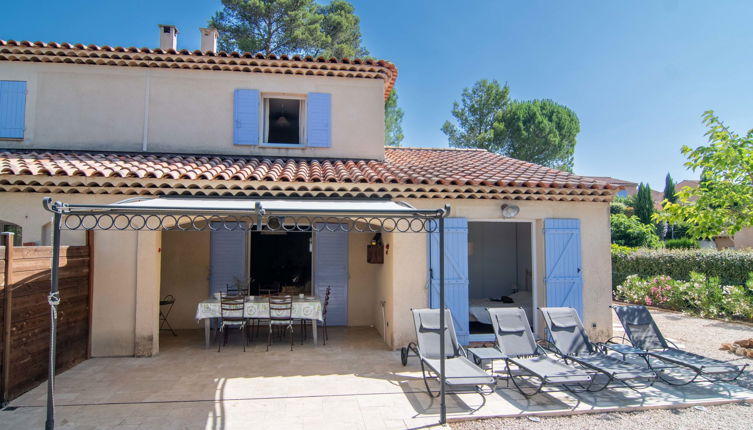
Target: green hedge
730	266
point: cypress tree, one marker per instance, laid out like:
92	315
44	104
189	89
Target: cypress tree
644	205
669	189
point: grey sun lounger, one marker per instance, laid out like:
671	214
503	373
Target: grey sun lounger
517	343
461	374
571	341
644	334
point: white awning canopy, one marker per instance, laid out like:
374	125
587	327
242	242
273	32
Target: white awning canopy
269	206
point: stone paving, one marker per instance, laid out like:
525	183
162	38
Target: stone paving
353	382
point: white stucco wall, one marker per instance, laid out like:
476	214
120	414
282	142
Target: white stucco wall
78	107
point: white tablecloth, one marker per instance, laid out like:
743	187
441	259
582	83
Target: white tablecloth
305	308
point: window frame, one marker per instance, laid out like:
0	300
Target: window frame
302	137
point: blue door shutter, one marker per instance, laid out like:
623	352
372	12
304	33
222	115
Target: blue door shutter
227	258
455	273
331	270
12	109
246	117
564	280
319	120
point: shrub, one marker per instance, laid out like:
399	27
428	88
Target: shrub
700	295
629	231
618	208
730	266
684	243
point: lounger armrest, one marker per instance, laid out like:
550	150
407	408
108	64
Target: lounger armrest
672	344
546	346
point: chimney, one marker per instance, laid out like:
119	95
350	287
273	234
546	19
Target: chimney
209	39
168	37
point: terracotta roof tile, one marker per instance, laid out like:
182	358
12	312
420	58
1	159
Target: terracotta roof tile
415	166
66	53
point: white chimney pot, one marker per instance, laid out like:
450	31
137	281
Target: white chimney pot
209	38
168	37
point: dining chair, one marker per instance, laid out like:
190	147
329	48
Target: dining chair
232	315
280	316
324	313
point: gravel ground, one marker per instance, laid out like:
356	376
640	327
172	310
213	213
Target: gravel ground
683	330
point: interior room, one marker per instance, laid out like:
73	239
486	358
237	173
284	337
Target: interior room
499	270
280	261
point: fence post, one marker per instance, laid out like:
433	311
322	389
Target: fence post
7	323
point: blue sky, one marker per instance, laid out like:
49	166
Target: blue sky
638	73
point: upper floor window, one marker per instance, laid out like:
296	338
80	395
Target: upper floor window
12	109
273	119
283	120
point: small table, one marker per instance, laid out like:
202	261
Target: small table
488	354
307	307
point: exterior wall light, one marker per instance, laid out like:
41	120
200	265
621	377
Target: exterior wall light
510	211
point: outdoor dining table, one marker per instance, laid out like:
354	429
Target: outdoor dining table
307	307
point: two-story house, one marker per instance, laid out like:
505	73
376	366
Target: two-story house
100	124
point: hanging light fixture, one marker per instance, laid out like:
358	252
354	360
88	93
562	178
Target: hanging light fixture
281	121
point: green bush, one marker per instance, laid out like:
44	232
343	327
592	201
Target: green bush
700	295
732	267
629	231
684	243
618	208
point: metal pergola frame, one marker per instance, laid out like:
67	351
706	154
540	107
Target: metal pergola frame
120	217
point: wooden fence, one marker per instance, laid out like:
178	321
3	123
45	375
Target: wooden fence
24	285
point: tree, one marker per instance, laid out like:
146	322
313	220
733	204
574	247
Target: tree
289	27
393	119
475	116
722	204
644	204
630	231
539	131
670	194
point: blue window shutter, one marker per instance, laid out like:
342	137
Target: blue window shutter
455	273
246	117
319	120
331	270
227	258
12	109
564	280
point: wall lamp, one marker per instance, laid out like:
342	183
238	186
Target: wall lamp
510	211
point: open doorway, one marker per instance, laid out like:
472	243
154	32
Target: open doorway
280	263
500	272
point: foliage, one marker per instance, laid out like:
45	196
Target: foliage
644	204
722	204
630	231
289	27
618	208
476	115
700	295
393	121
682	243
620	249
670	194
730	266
539	131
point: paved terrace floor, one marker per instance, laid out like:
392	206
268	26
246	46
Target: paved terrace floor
353	382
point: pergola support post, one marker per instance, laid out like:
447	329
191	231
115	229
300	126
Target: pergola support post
442	403
53	299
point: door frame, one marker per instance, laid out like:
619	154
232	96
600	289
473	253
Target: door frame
534	273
